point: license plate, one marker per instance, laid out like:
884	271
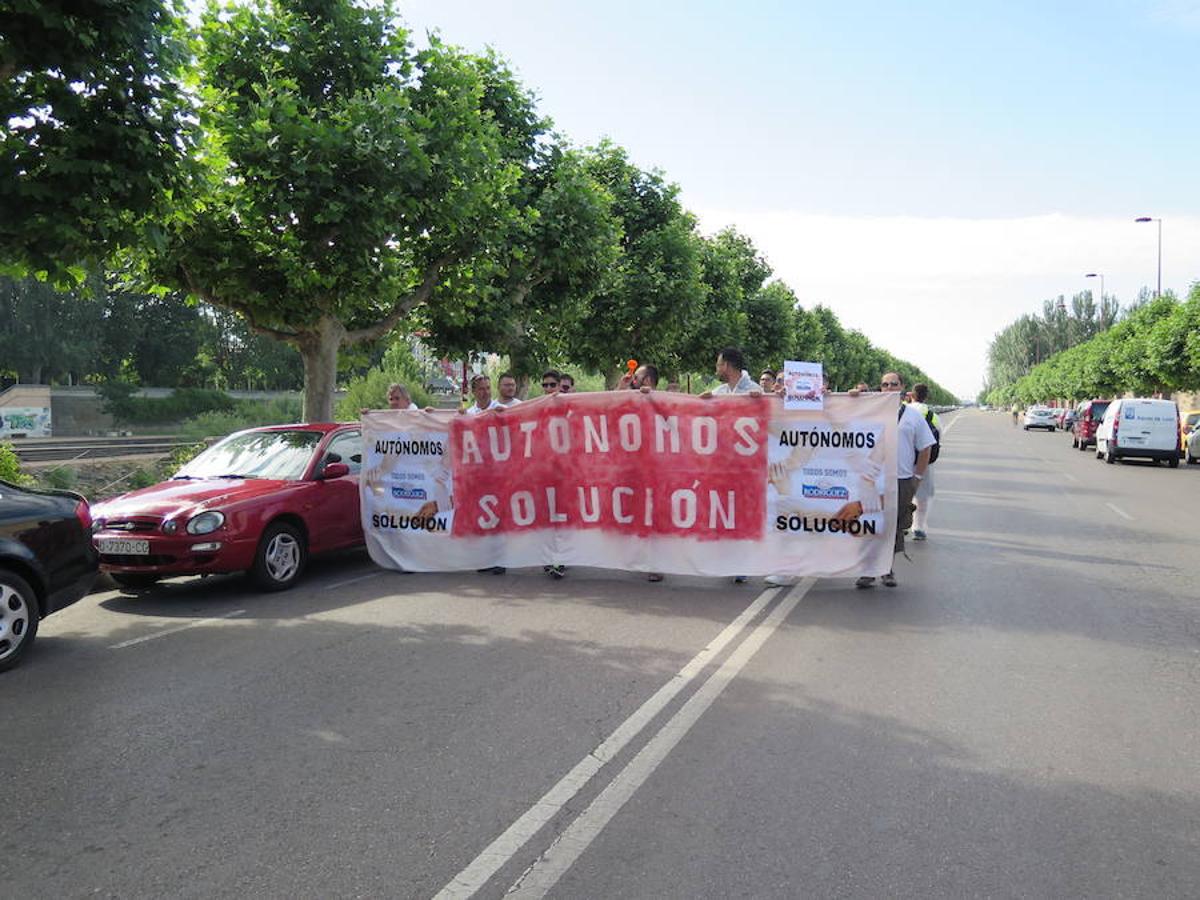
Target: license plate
117	547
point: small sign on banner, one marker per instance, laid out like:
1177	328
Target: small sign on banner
803	385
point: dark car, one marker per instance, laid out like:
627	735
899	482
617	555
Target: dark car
259	501
46	561
1088	416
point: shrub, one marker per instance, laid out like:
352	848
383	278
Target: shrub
370	391
142	477
181	404
245	414
60	478
10	466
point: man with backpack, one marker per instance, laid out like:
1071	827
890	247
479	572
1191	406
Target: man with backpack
914	440
923	499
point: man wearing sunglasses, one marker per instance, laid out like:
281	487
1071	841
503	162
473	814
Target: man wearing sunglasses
913	440
550	380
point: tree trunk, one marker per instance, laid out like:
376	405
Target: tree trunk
319	350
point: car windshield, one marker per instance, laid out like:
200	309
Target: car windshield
1098	410
256	454
1192	419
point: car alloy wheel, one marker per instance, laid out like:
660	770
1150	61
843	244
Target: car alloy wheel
18	618
281	557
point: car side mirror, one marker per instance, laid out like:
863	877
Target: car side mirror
334	470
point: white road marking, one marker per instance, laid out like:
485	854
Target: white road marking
570	845
1069	476
349	581
503	848
946	430
158	634
1120	512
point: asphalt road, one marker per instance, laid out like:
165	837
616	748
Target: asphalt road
1020	717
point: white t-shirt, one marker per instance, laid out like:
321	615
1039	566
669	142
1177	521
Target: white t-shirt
474	410
914	435
513	402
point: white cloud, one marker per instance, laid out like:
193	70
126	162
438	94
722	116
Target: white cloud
935	290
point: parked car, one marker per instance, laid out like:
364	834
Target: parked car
1088	416
1189	421
1067	418
1192	450
46	562
260	501
1039	417
1138	427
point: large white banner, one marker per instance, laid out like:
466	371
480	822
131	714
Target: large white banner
658	482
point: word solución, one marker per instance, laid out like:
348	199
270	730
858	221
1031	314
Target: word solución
632	464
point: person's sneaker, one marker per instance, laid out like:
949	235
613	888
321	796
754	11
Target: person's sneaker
919	536
739	579
557	572
781	580
654	576
889	580
866	581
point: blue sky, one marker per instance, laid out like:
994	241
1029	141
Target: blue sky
928	170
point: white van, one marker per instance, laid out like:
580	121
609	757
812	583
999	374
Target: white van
1133	427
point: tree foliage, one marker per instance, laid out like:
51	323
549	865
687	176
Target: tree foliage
93	128
1153	348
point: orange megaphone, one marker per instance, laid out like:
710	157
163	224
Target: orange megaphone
631	365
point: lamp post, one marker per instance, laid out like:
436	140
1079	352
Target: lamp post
1158	292
1099	275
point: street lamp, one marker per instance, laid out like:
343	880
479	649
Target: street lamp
1157	293
1099	275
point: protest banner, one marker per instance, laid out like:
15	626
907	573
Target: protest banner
658	482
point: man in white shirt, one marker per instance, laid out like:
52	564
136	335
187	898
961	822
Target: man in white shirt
913	440
924	496
481	389
731	371
508	389
398	397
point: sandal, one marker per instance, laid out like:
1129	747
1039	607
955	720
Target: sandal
889	580
654	576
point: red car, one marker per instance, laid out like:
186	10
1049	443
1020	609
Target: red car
1087	419
259	501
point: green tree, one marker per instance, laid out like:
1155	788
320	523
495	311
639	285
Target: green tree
345	176
732	271
769	326
523	298
652	293
92	128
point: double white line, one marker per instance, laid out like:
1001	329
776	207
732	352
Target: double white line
567	848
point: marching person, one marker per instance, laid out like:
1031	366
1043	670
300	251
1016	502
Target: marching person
767	380
913	440
398	397
481	390
550	379
508	389
566	384
924	495
731	372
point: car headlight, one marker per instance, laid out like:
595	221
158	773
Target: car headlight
98	525
205	523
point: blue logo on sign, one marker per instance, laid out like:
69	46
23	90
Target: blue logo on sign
833	492
402	493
